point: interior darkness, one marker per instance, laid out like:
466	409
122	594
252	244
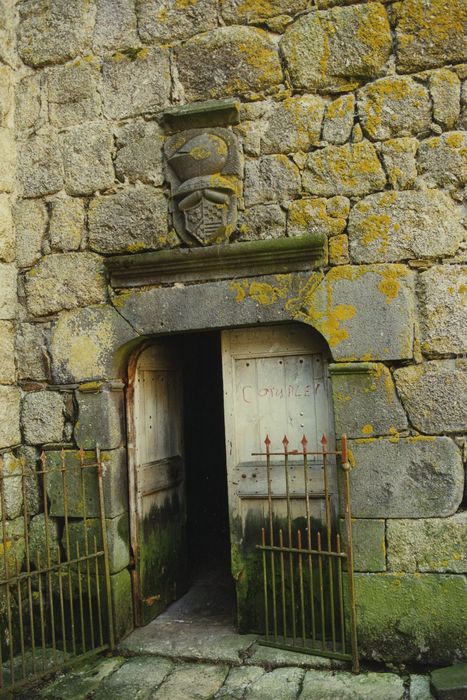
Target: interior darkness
206	474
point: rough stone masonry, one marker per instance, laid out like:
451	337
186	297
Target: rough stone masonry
352	124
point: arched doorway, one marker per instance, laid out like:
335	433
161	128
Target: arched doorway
258	381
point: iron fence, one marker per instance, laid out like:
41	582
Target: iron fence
308	576
55	596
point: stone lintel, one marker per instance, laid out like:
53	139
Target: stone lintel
248	259
202	114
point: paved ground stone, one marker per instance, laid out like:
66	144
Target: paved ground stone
228	61
420	688
395	106
419	477
450	683
433	544
136	679
269	657
238	680
325	685
434	395
281	683
313	47
193	681
77	685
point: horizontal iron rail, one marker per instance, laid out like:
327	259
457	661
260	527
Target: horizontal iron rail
38	572
59	470
296	550
307	650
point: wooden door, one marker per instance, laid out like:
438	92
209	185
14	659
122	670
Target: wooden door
275	384
157	481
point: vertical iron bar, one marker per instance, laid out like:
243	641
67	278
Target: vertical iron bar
47	550
284	605
41	609
302	592
267	442
98	594
86	545
67	545
265	583
341	594
105	547
350	562
285	443
80	596
327	497
28	566
7	585
321	592
62	604
308	528
20	615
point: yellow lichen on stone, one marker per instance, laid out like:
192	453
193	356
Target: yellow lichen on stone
390	283
367	429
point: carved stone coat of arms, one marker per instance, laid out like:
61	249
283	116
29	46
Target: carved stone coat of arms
203	168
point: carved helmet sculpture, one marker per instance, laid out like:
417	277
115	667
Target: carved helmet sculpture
205	197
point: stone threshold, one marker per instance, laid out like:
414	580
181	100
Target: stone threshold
249	259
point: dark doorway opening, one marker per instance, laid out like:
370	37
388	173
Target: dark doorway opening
208	537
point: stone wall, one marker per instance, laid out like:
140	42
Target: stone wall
352	124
